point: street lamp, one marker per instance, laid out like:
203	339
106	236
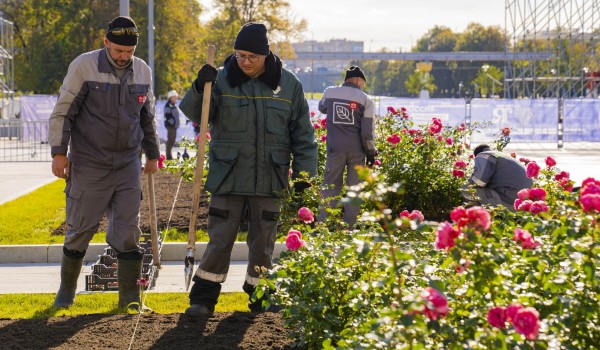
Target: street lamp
485	68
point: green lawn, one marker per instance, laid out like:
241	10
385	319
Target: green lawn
39	305
31	218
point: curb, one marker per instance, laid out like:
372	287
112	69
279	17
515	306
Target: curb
52	253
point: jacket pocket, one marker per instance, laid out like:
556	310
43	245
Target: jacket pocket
278	117
234	114
280	173
138	94
220	172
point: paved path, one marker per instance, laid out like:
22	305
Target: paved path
16	179
45	277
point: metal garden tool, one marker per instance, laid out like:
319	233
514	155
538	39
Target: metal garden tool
191	247
153	223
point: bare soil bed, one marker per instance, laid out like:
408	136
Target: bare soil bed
165	188
236	330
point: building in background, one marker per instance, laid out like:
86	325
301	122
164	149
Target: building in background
317	75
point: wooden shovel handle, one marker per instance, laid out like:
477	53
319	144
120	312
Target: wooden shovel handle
153	223
200	156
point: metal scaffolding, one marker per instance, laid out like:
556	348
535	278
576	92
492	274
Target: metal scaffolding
7	77
570	31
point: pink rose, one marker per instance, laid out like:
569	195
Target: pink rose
562	175
590	202
525	206
566	184
518	202
590	186
316	126
525	238
537	194
377	162
497	317
394	139
459	216
436	305
462	126
505	131
550	162
416	215
312	114
445	236
533	170
479	218
458	173
449	141
413	132
538	207
392	110
404	214
323	123
463	266
161	159
434	128
293	240
527	322
323	138
460	164
305	215
523	194
417	139
440	138
511	311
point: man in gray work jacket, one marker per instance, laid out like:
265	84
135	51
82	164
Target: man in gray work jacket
496	179
258	118
349	138
102	120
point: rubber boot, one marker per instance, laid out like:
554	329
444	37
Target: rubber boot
203	297
257	305
128	274
69	273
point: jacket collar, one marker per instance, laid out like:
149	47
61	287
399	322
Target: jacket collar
350	85
104	65
271	76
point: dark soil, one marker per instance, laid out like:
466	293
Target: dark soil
236	330
165	188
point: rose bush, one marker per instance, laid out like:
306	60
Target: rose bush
478	278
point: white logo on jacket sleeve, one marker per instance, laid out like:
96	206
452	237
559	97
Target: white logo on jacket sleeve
342	113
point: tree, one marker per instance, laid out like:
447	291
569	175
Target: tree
440	39
275	14
51	33
489	80
419	81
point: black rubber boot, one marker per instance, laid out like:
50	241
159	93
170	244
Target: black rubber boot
70	269
203	297
128	273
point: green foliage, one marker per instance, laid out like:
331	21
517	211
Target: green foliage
30	219
423	163
362	289
70	28
420	81
39	305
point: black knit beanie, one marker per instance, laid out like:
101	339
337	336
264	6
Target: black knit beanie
125	38
353	72
253	38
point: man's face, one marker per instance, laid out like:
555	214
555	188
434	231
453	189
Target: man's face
250	63
122	55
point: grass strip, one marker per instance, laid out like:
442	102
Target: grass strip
38	305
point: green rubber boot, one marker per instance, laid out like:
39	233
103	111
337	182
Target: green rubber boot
69	273
128	273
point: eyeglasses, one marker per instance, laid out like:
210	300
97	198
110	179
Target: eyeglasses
124	31
251	58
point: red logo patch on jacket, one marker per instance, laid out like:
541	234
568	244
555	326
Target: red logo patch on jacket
353	105
142	99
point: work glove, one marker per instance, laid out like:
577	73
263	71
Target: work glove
300	186
206	74
370	161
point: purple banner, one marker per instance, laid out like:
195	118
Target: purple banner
582	120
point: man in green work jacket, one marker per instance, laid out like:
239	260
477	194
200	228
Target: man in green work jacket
258	118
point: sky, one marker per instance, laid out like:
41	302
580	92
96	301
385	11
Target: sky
393	24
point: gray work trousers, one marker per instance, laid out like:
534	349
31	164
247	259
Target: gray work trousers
171	136
337	163
484	196
91	192
225	214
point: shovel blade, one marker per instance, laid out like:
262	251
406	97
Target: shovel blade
189	267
